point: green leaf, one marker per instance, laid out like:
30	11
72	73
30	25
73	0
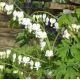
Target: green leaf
75	52
70	73
60	71
21	42
77	11
65	19
58	62
78	35
62	52
71	62
13	24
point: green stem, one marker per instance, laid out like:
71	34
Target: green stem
44	12
9	65
17	51
56	39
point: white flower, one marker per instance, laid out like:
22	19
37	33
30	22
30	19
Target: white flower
42	44
44	35
34	16
36	27
37	17
26	60
78	27
40	16
15	71
66	34
30	28
8	52
37	65
41	35
1	67
44	17
75	27
18	15
20	58
9	9
52	21
49	53
2	54
56	26
21	73
14	57
28	77
49	74
2	5
26	21
31	64
47	21
15	14
78	78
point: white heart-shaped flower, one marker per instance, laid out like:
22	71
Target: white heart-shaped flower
31	64
26	59
49	53
20	59
66	34
9	9
2	5
42	44
14	57
37	65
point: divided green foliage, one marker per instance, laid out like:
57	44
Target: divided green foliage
65	19
13	24
68	60
77	11
23	37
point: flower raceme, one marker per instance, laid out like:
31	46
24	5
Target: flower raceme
21	59
26	21
32	27
35	27
19	16
73	27
47	20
